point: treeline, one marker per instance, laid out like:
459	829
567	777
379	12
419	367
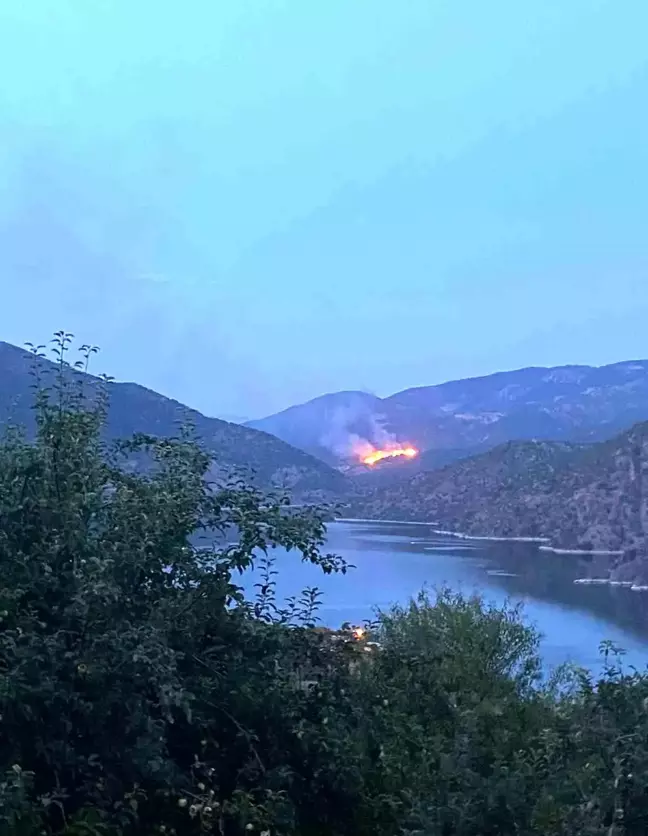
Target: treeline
141	692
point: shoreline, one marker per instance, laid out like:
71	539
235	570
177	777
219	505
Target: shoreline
457	534
460	535
543	542
489	538
543	546
373	520
631	585
583	552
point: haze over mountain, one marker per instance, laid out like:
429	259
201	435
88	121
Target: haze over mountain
454	419
133	408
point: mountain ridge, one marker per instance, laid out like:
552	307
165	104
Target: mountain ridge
135	408
569	402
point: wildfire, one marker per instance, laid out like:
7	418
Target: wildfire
370	459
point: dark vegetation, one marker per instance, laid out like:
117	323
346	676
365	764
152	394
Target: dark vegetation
263	459
141	693
582	496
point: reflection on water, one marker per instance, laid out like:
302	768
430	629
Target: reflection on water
395	561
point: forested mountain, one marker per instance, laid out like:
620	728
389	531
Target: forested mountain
134	408
580	496
566	403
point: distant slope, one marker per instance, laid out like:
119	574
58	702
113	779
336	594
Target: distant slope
569	403
134	408
581	496
390	471
326	425
495	493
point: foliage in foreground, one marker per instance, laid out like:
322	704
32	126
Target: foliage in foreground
141	693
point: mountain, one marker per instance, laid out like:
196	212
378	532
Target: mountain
327	426
580	496
233	419
134	408
463	417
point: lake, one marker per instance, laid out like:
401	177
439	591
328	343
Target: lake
394	561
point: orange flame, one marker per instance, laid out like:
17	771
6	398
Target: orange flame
370	459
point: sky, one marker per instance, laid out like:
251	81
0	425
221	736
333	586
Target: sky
248	203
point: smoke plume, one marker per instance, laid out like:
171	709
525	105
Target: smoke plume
355	429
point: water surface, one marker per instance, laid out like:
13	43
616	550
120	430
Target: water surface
394	561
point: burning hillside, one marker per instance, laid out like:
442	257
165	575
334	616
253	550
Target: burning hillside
370	456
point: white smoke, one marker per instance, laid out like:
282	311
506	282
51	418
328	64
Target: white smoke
354	429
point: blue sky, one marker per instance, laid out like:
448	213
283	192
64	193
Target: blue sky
247	204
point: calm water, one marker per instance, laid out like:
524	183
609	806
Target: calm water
395	561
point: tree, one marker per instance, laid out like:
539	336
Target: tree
134	677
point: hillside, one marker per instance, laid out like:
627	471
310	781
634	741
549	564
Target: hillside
567	403
328	425
496	493
580	496
134	408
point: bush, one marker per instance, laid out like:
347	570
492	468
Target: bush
142	693
137	688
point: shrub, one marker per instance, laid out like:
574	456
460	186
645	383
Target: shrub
134	675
